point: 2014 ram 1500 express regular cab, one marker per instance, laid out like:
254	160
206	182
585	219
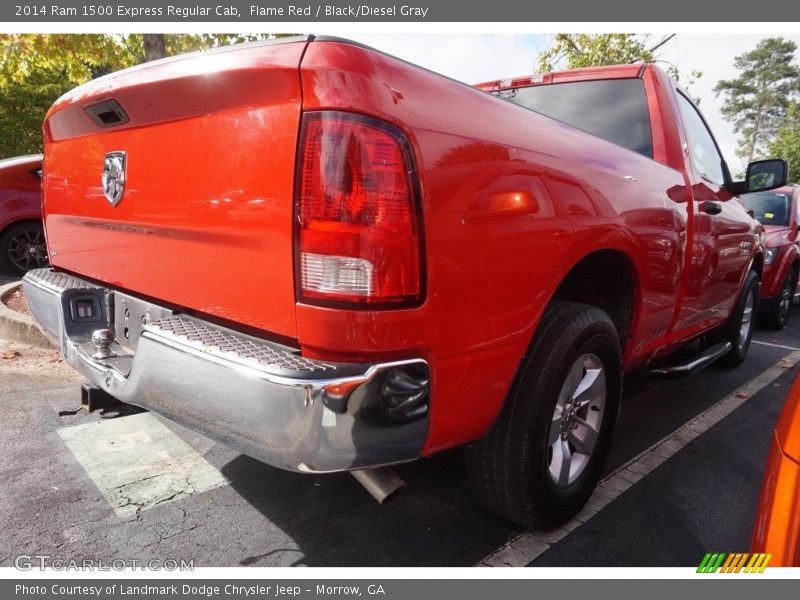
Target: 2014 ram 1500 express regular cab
330	259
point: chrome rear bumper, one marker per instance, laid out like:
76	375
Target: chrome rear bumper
258	397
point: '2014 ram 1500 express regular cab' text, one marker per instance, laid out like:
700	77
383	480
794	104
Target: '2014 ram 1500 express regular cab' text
330	259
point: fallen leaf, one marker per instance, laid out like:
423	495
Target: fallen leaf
742	395
10	354
785	364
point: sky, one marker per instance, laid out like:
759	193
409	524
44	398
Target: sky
475	58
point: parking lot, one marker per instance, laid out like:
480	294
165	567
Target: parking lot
683	479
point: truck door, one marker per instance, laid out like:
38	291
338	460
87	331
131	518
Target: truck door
721	238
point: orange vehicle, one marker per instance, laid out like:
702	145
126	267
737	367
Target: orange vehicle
777	525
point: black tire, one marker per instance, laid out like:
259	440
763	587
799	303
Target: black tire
734	330
510	469
778	314
22	247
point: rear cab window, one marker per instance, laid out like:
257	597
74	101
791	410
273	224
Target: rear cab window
613	109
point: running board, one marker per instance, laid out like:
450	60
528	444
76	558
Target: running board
695	365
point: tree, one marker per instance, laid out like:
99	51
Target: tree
786	144
580	50
85	56
155	46
81	57
757	101
575	51
22	110
35	69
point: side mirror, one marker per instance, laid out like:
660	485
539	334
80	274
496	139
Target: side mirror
765	175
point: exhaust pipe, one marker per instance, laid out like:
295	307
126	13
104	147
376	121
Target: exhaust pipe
382	483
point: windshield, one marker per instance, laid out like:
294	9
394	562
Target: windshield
769	208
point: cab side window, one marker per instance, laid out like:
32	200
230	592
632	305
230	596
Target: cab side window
705	155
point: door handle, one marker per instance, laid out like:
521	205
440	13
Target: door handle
712	208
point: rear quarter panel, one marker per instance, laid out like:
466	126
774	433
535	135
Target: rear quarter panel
491	273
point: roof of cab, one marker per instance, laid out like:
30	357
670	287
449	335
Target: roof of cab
586	74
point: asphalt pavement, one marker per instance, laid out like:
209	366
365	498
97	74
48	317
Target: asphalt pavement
701	500
6	277
77	486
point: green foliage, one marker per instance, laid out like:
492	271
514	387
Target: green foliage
760	180
81	57
85	56
685	80
786	144
758	100
183	43
35	69
23	107
580	50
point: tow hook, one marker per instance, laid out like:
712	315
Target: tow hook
102	340
92	399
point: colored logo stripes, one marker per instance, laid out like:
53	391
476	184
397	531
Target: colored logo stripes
734	563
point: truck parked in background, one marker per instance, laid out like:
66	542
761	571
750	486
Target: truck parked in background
779	212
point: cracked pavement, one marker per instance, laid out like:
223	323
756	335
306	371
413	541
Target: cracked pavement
138	463
49	504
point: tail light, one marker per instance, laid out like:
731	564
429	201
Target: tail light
359	233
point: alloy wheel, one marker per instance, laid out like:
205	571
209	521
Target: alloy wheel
576	421
26	249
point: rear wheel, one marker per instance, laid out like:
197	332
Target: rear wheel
546	453
22	247
778	314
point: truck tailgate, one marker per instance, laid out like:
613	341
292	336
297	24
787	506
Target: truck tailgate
205	217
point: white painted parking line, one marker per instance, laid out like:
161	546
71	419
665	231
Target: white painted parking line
773	345
138	463
529	545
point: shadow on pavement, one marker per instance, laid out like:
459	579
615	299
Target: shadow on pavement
435	521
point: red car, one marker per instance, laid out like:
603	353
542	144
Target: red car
331	259
22	244
777	210
777	525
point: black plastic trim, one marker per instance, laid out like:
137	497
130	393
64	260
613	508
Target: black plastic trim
108	113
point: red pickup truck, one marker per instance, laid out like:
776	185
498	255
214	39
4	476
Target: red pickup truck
779	212
330	259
